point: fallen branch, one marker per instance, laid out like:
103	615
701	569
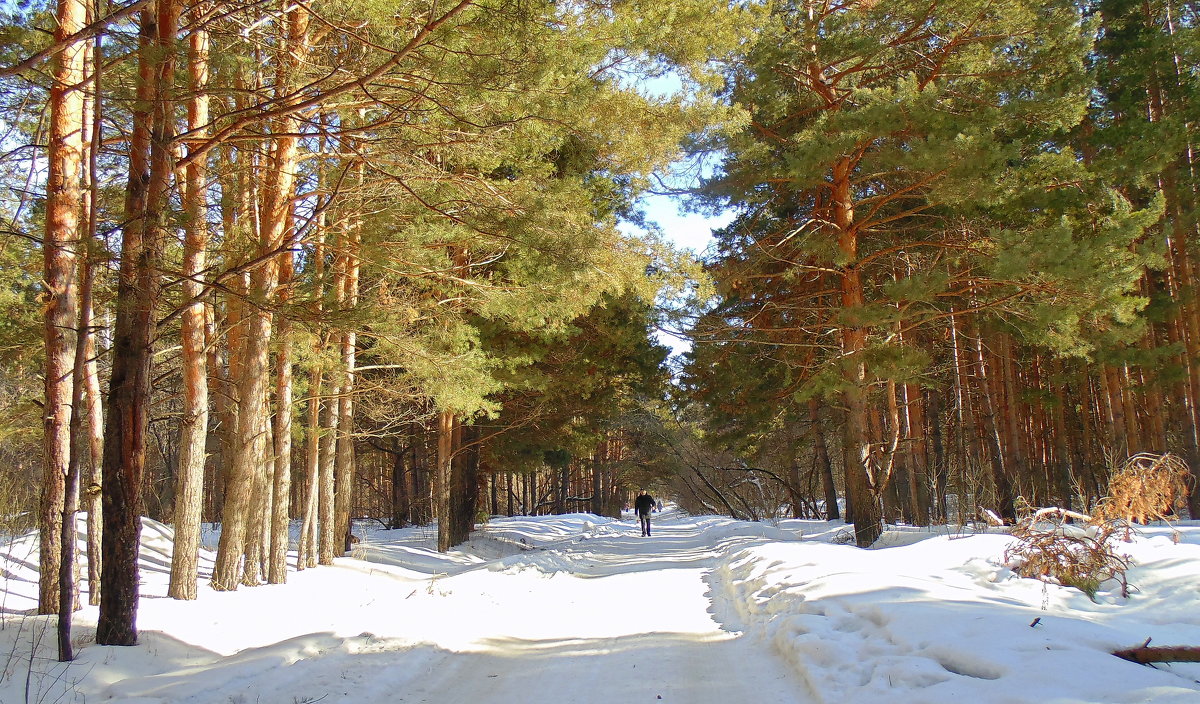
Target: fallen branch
991	517
1065	513
1145	654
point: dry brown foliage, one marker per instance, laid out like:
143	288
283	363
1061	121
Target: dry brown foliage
1148	487
1079	555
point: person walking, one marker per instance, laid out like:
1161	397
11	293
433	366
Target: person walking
644	504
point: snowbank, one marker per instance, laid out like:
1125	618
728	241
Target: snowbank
942	620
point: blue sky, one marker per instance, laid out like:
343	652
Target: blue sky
689	230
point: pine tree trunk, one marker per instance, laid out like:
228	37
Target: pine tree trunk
1092	417
861	483
821	457
422	508
92	477
442	479
325	504
189	493
894	509
1125	386
400	500
597	489
235	216
283	231
307	550
494	503
344	461
348	300
1004	388
281	485
68	580
510	494
1002	482
1154	427
464	483
940	465
1116	410
133	336
967	409
242	479
1062	462
90	480
63	233
258	522
914	408
247	475
562	489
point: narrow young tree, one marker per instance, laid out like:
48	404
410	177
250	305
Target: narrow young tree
91	478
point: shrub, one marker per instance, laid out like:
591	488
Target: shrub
1052	549
1148	487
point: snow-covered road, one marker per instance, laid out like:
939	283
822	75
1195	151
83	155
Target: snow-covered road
583	609
588	610
569	609
653	638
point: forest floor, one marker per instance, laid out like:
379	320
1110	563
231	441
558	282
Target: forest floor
583	609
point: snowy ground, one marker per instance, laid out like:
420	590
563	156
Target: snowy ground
582	609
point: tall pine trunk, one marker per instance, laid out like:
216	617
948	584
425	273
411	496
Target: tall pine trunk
309	528
348	300
133	336
281	484
295	51
821	459
861	484
247	478
91	478
1001	481
63	233
189	492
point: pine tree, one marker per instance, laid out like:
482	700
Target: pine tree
902	160
136	316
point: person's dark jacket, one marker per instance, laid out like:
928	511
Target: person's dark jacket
644	504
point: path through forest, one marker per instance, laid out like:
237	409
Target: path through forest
604	616
552	609
578	609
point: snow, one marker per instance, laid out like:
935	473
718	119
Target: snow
580	608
